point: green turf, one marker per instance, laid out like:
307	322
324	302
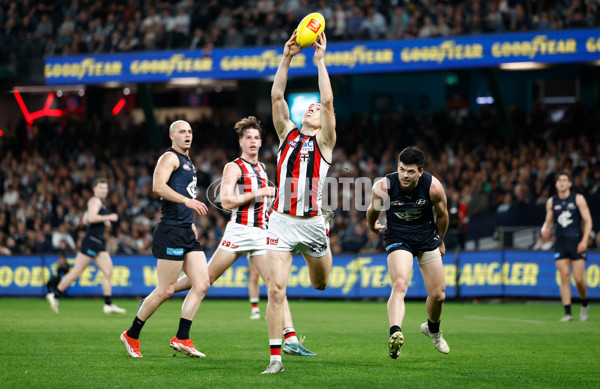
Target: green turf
492	345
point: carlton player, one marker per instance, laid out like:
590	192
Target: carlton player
409	197
175	242
571	214
245	191
297	224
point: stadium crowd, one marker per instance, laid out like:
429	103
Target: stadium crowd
32	29
46	172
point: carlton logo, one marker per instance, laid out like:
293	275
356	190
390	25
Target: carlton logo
313	25
272	242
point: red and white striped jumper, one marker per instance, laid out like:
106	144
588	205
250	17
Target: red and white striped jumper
253	213
301	172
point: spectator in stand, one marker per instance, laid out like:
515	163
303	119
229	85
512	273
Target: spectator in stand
373	244
373	25
60	236
337	25
398	22
429	29
44	28
354	22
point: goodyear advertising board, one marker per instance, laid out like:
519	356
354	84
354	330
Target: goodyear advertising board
342	58
470	274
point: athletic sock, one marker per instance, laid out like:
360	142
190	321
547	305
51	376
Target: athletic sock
57	293
568	309
394	329
108	300
584	302
184	329
275	345
136	327
254	303
434	328
290	335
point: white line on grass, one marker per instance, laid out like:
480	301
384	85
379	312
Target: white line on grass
504	319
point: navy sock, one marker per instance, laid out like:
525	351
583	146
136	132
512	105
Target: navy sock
584	302
136	327
434	328
107	300
184	329
568	309
394	329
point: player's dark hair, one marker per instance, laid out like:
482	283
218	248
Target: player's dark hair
247	123
562	172
412	156
99	180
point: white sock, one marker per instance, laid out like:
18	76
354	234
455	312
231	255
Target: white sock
290	339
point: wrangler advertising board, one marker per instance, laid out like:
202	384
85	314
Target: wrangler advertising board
471	274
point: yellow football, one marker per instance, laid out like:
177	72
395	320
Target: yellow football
309	29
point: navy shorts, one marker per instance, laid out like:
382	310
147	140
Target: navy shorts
92	246
415	247
567	248
173	242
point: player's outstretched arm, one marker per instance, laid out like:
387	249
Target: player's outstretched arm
326	136
584	210
166	165
281	112
547	226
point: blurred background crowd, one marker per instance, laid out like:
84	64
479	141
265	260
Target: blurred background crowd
46	172
33	28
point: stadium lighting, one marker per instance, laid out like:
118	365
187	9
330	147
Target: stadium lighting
484	100
112	84
119	106
186	81
46	111
523	66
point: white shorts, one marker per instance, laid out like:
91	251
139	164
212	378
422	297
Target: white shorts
300	235
243	239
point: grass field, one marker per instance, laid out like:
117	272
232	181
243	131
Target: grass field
492	345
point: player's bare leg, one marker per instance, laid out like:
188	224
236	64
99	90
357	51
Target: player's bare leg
435	283
578	276
195	267
167	271
104	263
399	266
564	269
319	269
253	290
280	263
81	263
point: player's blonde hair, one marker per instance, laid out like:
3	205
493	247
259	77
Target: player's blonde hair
174	124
